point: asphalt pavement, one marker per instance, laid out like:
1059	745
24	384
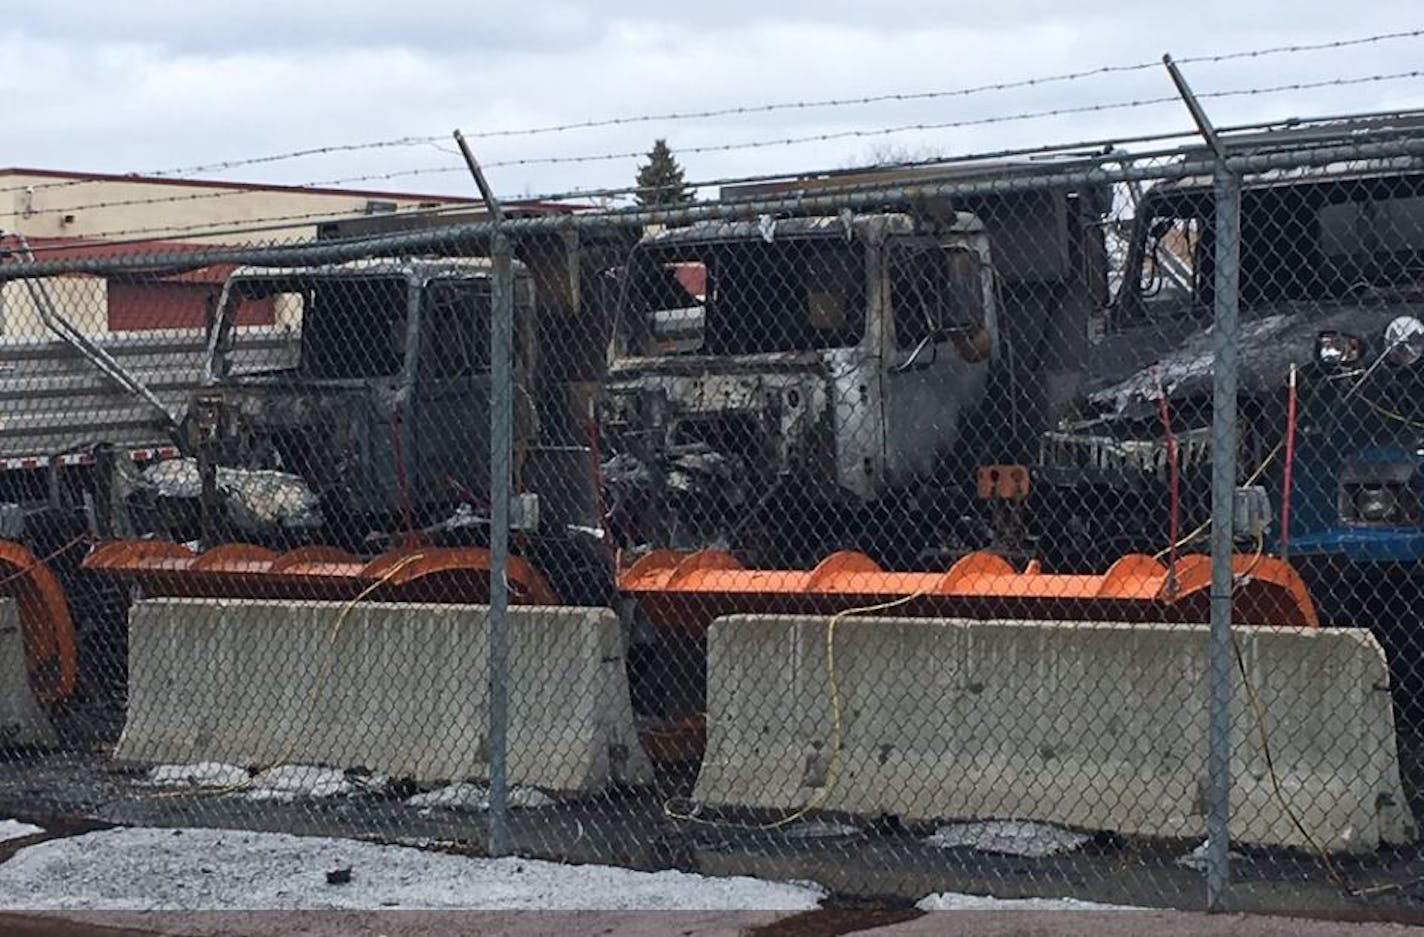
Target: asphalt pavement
830	923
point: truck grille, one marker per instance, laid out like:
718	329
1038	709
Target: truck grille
1109	455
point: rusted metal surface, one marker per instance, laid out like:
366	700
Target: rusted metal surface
423	574
689	591
50	655
1002	482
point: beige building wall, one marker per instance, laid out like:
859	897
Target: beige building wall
84	301
53	206
288	311
40	205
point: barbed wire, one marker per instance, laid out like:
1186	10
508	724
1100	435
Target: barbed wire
966	122
165	234
745	110
854	133
1102	150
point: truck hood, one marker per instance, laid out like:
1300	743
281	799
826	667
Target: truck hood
1271	340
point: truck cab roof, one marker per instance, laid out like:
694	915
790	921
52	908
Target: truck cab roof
415	268
870	226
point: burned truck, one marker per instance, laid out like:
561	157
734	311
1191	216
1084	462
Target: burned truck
778	374
785	387
377	435
1331	251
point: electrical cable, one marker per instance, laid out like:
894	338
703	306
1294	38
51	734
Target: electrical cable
1250	480
1391	414
293	739
1258	711
833	693
24	571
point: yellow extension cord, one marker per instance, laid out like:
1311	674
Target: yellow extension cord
1258	711
1206	525
833	692
833	770
330	647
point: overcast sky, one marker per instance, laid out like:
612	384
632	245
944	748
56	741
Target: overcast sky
146	85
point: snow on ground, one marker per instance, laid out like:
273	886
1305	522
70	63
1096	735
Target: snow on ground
292	782
201	774
468	795
184	869
1196	859
819	829
14	829
953	901
281	783
1009	837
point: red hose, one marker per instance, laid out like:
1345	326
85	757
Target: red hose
1173	484
1290	461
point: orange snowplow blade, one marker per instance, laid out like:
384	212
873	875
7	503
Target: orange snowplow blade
689	591
44	619
244	571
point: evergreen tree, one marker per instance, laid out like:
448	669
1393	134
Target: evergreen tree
660	179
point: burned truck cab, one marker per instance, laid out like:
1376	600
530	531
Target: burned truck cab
774	381
384	414
1333	249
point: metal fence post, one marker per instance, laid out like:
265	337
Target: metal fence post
501	444
1226	279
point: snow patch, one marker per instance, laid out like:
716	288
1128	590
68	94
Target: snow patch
185	869
287	783
1009	837
200	774
953	901
820	829
1196	859
14	829
471	796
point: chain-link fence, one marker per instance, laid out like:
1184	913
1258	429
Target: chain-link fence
877	528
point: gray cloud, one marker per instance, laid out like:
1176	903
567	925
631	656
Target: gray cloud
148	85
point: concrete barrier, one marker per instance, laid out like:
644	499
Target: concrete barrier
1094	725
22	721
400	689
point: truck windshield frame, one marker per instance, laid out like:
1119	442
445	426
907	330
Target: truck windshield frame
1303	241
458	313
354	327
935	289
351	326
729	298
